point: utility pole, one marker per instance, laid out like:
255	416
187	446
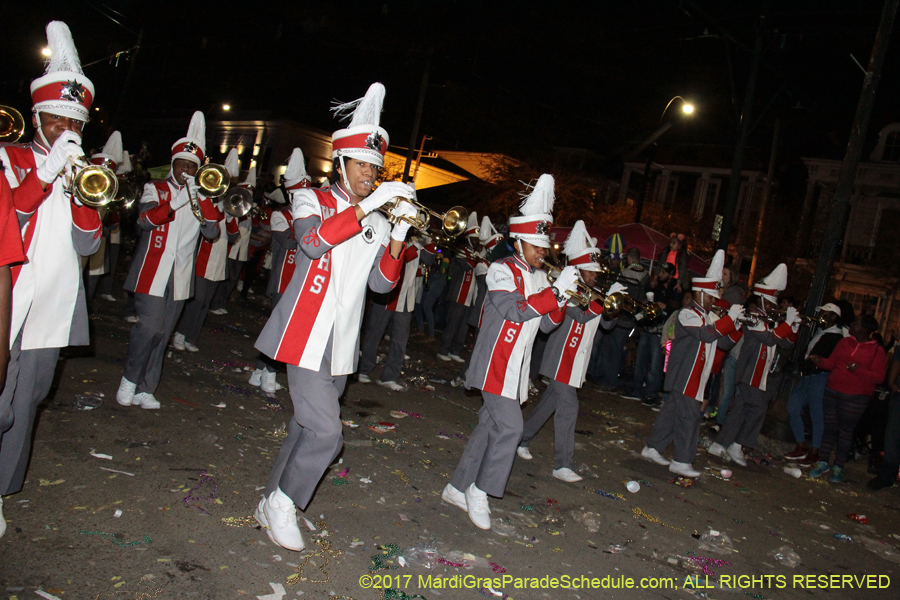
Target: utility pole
834	232
765	202
737	166
418	119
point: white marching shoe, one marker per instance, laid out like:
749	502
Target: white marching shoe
190	347
256	378
566	474
453	496
683	469
178	341
716	449
125	395
146	400
444	357
524	453
394	386
456	358
477	507
278	515
737	454
653	455
363	378
269	385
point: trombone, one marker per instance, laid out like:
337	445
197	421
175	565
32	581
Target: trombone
214	180
12	125
238	203
453	222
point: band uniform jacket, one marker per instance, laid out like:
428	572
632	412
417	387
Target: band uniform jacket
426	259
519	301
480	270
168	246
755	360
284	251
240	249
403	297
461	278
697	333
212	254
568	351
48	299
338	257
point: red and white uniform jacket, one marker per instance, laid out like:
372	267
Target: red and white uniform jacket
48	295
169	245
462	280
339	256
755	360
568	349
284	251
426	259
240	249
693	350
519	301
211	254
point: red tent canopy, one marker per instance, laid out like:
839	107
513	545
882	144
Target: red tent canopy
649	241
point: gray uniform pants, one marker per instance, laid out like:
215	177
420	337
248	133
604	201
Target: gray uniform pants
105	285
232	274
378	319
561	401
28	380
488	458
149	337
678	421
196	309
746	415
315	437
454	337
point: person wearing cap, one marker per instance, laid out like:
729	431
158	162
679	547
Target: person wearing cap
747	410
391	312
209	272
284	251
49	309
810	390
162	272
697	334
345	246
460	295
565	360
520	300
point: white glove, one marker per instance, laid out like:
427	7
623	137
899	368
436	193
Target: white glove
565	281
385	193
617	287
182	198
66	146
736	311
792	316
404	209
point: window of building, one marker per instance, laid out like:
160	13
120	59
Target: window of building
892	147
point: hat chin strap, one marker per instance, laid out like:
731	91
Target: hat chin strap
344	173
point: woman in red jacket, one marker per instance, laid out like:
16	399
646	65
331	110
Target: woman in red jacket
857	365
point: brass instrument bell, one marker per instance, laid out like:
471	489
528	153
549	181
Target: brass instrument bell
214	180
12	124
93	185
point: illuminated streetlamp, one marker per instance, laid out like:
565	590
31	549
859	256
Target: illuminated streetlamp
45	51
226	107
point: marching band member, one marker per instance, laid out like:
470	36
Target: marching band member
238	253
162	271
489	239
209	272
48	300
748	407
113	223
284	252
565	360
98	262
460	296
697	332
344	246
520	300
419	311
392	310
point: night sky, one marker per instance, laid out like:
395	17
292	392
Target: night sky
513	77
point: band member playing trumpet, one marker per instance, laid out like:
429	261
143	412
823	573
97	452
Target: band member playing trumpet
697	332
345	247
747	410
98	262
520	301
209	271
461	295
565	360
48	299
162	272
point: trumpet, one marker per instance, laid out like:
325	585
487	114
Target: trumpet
12	125
214	180
583	294
93	185
619	301
453	222
238	203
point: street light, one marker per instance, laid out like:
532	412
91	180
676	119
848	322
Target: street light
226	107
45	51
687	109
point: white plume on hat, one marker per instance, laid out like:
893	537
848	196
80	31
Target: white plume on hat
295	173
250	180
63	89
276	196
365	110
533	225
775	282
125	165
486	231
112	150
581	249
188	146
472	224
540	200
233	163
710	283
364	139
